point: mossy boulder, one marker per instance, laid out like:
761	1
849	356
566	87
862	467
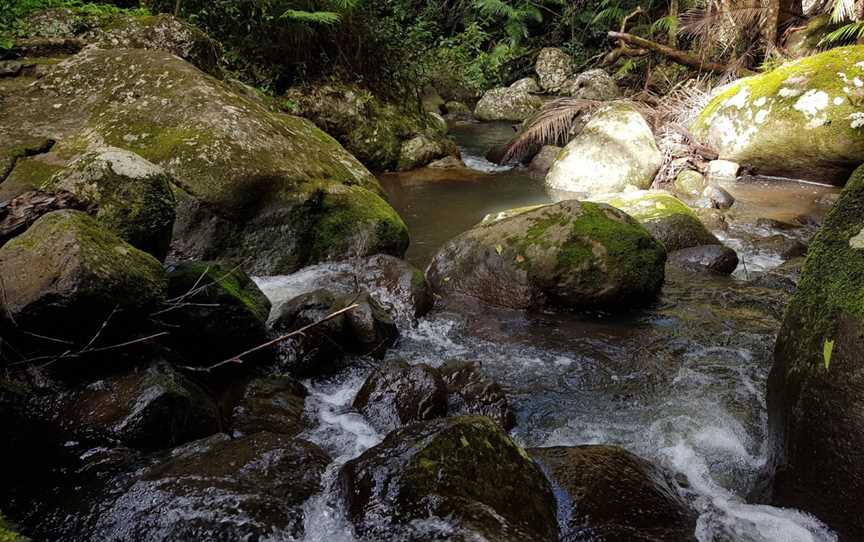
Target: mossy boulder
527	84
507	104
371	129
573	254
802	119
554	67
7	534
254	186
216	311
615	149
128	30
422	149
816	386
271	404
689	184
129	196
66	274
458	110
397	394
665	217
470	392
616	496
147	408
464	471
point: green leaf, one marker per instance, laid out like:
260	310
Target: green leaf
827	350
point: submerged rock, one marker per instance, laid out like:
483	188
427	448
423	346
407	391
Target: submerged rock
215	311
665	217
250	488
507	104
616	496
716	258
554	67
131	197
815	400
457	479
569	254
800	120
615	149
470	392
66	274
149	408
397	394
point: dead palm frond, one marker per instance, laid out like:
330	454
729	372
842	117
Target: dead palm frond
550	126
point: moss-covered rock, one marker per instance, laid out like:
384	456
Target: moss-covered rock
570	253
128	30
66	274
7	534
464	470
423	149
615	149
253	186
508	104
129	196
616	496
554	67
216	311
665	217
689	184
802	119
458	110
372	130
815	398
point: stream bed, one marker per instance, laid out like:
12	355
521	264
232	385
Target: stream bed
681	382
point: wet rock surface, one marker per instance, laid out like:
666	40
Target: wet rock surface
617	496
464	469
713	258
270	405
470	392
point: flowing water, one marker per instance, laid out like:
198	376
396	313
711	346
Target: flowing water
681	382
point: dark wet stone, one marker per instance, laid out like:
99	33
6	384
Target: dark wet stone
369	329
784	277
714	258
470	392
616	496
783	246
148	408
318	351
397	394
273	405
457	479
218	489
718	197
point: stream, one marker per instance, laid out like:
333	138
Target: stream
681	382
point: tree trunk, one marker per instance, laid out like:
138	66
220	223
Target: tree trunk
177	8
770	22
673	32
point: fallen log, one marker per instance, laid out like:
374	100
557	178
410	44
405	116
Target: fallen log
678	56
18	214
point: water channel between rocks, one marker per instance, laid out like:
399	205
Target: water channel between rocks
681	382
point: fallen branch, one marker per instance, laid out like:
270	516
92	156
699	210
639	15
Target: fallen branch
239	357
18	214
678	56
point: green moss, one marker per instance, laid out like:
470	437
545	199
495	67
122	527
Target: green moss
7	534
28	174
231	282
831	284
647	206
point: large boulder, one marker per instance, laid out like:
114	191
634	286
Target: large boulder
423	149
615	149
273	405
616	496
131	196
592	85
570	253
253	186
816	386
128	30
665	217
464	472
147	408
250	488
66	275
215	311
554	67
397	394
802	119
508	104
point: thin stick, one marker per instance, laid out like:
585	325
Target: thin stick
239	357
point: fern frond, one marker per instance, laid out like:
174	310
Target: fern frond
312	17
551	125
665	25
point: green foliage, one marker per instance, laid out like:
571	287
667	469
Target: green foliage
846	34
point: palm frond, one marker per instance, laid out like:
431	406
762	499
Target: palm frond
845	34
701	21
551	125
843	10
